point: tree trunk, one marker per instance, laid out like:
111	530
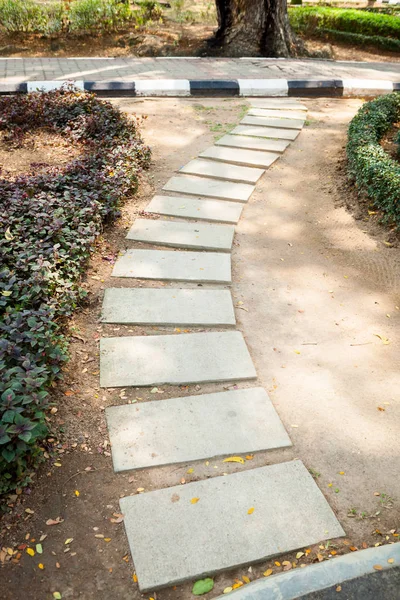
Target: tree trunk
254	28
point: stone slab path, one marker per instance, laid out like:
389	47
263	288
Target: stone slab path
214	531
202	186
194	208
252	143
228	172
185	429
285	114
174	359
237	156
203	236
200	528
158	306
174	266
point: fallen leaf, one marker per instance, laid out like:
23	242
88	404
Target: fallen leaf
249	457
30	551
57	464
250	511
203	586
333	552
268	572
189	471
320	557
297	352
353	548
341	472
134	577
236	459
378	567
384	339
140	490
58	565
76	493
237	585
390	561
246	579
69	393
277	563
287	565
68	541
299	555
339	588
194	500
57	596
380	408
6	293
8	235
41	566
99	536
39	548
29	511
107	540
228	590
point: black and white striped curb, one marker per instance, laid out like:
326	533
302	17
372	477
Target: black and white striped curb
222	88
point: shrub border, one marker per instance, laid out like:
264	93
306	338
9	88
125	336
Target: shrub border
372	168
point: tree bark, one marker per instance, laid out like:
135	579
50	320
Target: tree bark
254	28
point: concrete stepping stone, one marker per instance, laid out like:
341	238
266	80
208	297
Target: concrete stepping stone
267	122
279	114
239	156
178	234
207	267
252	143
193	208
210	168
174	359
193	428
168	307
204	527
201	186
267	132
277	104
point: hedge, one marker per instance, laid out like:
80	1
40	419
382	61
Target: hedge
311	19
374	171
49	221
358	39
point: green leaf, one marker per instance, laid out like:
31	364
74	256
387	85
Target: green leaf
8	416
57	596
203	586
8	455
39	548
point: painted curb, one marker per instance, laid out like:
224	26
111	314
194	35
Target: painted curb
323	88
294	584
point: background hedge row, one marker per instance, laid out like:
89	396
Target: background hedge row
374	170
48	223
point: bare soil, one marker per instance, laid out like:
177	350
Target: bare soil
40	150
317	287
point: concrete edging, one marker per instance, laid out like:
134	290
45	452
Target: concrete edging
294	584
214	87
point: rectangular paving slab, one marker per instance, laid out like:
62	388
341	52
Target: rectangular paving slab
201	186
192	428
160	306
252	143
210	267
270	122
284	104
194	208
267	132
201	236
174	359
210	168
201	528
279	114
239	156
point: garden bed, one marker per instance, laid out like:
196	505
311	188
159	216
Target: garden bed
375	171
49	222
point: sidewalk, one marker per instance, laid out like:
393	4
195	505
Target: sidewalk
18	70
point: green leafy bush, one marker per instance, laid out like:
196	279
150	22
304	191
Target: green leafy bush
48	223
358	39
24	16
94	15
374	171
310	19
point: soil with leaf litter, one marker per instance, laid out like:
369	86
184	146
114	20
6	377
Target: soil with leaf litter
64	535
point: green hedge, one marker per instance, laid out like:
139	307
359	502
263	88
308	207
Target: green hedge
374	171
358	39
311	19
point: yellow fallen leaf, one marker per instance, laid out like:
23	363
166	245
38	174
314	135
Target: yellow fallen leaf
237	459
250	511
390	561
268	572
277	563
341	472
299	554
330	484
194	500
297	352
384	339
41	566
8	235
249	457
57	464
134	577
378	567
246	579
68	541
189	471
107	540
228	590
76	493
237	585
30	551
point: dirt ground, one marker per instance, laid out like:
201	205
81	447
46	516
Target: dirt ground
318	287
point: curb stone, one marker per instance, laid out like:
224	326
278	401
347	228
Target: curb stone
322	88
294	584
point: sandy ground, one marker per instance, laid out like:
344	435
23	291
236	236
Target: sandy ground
317	289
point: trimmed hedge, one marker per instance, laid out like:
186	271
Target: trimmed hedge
358	39
374	171
311	19
48	224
